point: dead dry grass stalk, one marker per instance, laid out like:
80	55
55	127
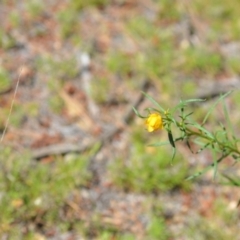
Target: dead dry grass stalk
12	103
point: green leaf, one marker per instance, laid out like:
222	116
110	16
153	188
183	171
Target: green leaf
153	101
137	113
215	164
187	115
214	105
158	144
204	130
207	168
221	136
235	156
233	182
194	100
202	148
182	104
173	154
171	140
226	115
189	146
199	173
199	141
149	109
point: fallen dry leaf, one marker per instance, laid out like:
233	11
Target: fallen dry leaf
77	110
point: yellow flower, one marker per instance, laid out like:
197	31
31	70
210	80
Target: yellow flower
154	122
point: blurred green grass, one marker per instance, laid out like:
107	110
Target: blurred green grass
149	169
35	192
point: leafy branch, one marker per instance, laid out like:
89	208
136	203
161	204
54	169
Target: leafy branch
218	142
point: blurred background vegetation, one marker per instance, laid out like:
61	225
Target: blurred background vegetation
82	66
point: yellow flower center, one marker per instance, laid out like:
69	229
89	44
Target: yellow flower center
154	122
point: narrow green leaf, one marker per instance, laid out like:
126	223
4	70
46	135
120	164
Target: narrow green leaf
214	105
149	109
158	144
204	130
199	142
194	100
221	136
207	168
199	173
226	115
233	181
187	115
182	104
215	164
171	140
153	101
137	113
189	146
173	154
235	156
202	148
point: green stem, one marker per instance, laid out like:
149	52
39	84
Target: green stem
191	132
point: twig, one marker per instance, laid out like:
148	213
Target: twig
12	103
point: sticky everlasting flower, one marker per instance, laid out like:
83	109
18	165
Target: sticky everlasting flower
154	122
